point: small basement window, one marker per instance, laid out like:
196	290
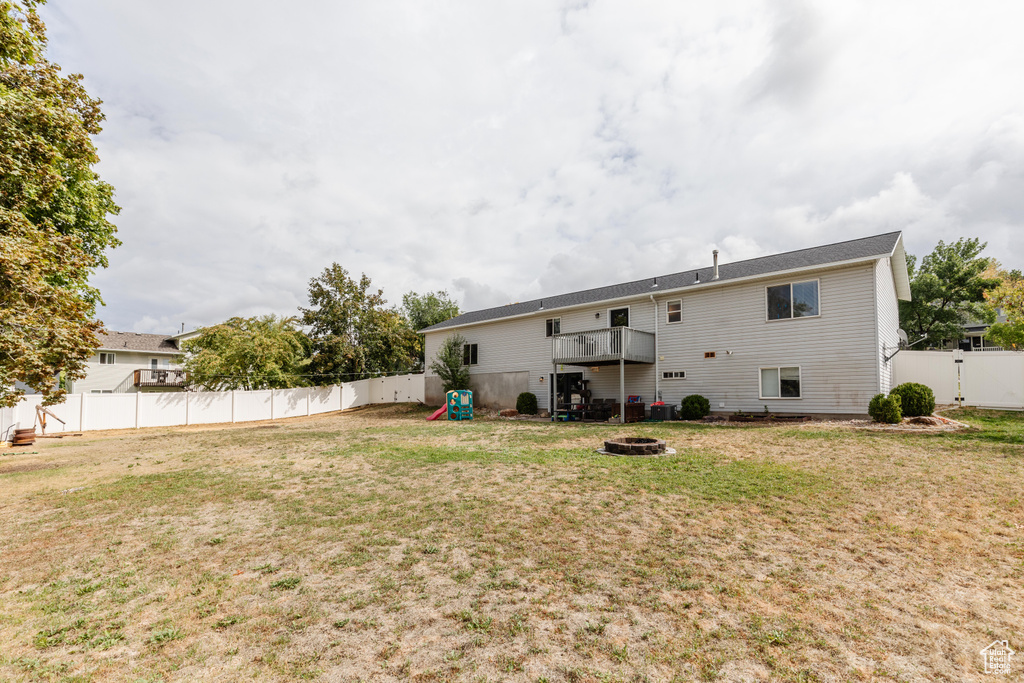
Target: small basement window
783	382
469	354
552	326
710	354
674	374
675	311
107	358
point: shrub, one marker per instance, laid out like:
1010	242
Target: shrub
526	404
885	408
694	407
448	364
915	399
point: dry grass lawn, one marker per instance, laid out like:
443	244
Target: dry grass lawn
375	546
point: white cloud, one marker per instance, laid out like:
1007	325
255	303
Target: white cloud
509	151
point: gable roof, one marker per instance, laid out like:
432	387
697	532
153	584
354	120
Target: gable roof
136	341
863	249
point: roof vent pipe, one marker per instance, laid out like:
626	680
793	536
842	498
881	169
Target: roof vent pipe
655	283
715	254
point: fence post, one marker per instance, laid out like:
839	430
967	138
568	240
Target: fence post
271	404
309	390
232	406
138	401
186	407
81	414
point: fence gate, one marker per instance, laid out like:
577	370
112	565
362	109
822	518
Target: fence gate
985	379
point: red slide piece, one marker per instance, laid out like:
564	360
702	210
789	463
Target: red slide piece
439	413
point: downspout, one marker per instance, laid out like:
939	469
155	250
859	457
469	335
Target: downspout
657	371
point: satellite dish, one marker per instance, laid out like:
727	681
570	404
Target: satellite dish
904	339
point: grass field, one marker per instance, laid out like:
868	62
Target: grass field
374	545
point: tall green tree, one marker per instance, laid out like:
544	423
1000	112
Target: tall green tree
424	310
54	227
353	333
264	352
947	291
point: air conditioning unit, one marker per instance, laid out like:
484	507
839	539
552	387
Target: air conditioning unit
663	412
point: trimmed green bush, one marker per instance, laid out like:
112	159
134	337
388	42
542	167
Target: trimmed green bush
694	407
885	409
915	399
526	404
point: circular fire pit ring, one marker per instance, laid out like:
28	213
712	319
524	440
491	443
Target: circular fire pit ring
635	445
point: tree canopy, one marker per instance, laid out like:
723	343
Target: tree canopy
264	352
947	291
354	335
54	227
1008	297
424	310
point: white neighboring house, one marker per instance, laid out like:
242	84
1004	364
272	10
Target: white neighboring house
127	362
808	331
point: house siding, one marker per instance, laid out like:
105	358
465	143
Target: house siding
835	351
119	377
888	322
838	351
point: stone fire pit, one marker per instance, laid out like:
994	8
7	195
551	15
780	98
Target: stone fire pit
635	445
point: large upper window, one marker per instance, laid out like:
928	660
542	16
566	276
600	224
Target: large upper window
552	326
793	300
675	311
780	382
469	354
618	317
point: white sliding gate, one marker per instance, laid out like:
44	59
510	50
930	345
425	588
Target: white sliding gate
984	379
85	412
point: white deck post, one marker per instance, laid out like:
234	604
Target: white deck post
622	389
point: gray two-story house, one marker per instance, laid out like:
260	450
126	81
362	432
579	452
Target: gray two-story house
807	331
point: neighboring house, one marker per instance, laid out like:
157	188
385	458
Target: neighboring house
807	331
130	361
974	335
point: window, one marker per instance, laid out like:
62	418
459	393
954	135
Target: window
102	391
552	326
780	382
618	317
793	300
674	374
107	359
710	354
675	311
469	354
154	363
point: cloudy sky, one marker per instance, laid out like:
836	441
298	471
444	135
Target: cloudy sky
509	150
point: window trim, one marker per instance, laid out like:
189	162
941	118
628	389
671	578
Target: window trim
791	316
468	350
680	302
780	397
110	355
551	322
629	314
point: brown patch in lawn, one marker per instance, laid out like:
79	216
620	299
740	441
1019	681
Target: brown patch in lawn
377	546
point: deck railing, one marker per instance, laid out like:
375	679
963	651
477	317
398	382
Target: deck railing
603	346
159	378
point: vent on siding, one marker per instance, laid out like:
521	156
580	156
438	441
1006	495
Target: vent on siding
709	354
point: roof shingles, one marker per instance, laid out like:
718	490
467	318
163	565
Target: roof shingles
866	247
134	341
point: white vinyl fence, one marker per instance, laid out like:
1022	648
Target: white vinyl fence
88	412
990	379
